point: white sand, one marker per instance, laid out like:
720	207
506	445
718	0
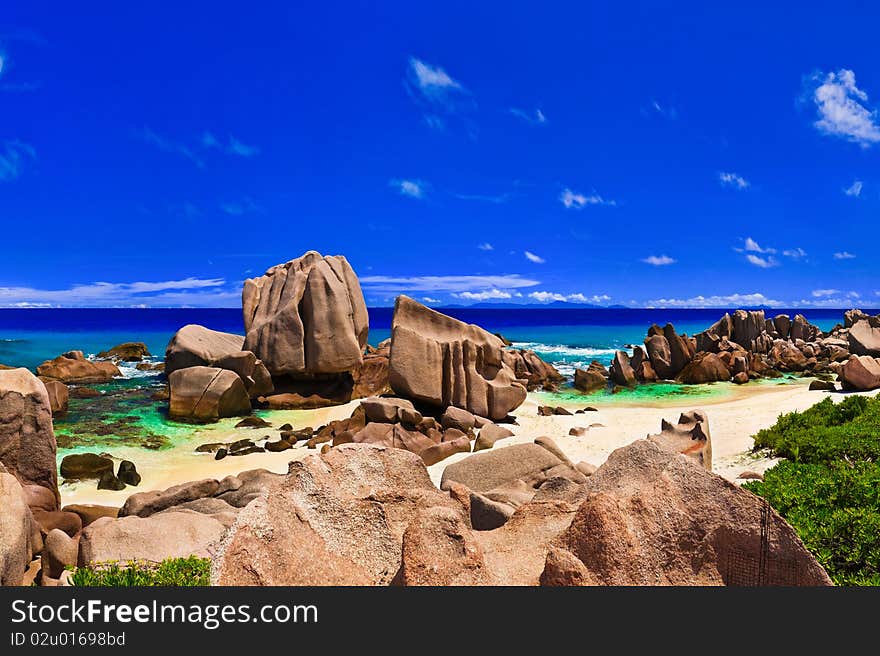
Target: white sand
733	419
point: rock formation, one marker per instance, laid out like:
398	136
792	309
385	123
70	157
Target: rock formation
690	437
306	317
440	361
197	346
527	366
206	394
594	377
15	531
344	515
27	437
73	368
651	517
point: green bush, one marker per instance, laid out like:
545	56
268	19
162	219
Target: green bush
826	432
174	572
835	510
829	488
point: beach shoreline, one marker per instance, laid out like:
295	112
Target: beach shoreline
735	415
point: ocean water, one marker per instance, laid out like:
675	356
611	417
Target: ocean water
568	338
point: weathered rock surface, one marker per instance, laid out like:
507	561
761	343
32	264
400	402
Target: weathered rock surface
197	346
593	378
307	316
651	517
15	531
528	366
78	370
489	435
343	513
207	394
441	361
27	438
172	534
59	396
59	551
144	504
78	466
704	368
127	352
621	371
689	437
860	373
864	338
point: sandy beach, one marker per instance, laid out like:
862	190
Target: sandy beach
735	415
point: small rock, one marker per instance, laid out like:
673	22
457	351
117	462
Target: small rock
822	386
110	482
253	422
278	445
751	475
578	431
221	453
128	473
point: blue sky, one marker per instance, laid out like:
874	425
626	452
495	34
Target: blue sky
643	154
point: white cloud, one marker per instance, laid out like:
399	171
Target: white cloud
431	77
428	299
751	246
201	292
818	293
411	188
536	117
408	284
855	189
575	200
795	253
531	257
844	255
762	262
13	155
546	297
841	110
729	301
486	246
658	260
485	295
733	180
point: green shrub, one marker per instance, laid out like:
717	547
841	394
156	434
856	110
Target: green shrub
174	572
827	432
835	510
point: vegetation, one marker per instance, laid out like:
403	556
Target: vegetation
174	572
829	488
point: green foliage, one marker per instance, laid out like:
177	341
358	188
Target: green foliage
835	510
174	572
827	432
829	489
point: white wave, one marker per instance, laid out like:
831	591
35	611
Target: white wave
129	370
562	350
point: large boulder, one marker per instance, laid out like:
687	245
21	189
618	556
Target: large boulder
864	339
126	352
689	437
594	377
197	346
652	517
441	361
27	438
15	531
73	368
860	373
704	368
144	504
338	519
307	316
528	366
206	394
59	396
171	534
659	354
621	372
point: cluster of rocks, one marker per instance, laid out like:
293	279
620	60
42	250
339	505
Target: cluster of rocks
92	466
744	346
363	514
